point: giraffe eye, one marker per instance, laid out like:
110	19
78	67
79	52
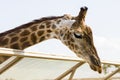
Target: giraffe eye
77	35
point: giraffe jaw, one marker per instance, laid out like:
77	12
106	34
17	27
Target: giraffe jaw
91	59
95	64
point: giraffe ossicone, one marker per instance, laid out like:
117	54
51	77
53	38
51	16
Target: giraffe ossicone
72	31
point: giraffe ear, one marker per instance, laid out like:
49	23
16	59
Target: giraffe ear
80	19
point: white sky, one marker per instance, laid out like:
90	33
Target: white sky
103	16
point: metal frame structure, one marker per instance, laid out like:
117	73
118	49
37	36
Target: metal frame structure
20	54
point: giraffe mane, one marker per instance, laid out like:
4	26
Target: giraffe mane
29	24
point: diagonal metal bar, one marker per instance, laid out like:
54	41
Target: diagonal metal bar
113	73
20	54
72	74
69	71
10	64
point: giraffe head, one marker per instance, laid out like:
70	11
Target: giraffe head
80	40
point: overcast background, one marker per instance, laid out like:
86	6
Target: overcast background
103	16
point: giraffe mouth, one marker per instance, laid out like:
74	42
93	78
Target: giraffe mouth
93	59
95	64
90	56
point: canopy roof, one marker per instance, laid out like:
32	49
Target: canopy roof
39	66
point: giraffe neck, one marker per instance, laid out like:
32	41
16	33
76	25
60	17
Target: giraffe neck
32	33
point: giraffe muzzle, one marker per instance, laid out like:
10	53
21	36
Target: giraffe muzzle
95	64
91	57
94	60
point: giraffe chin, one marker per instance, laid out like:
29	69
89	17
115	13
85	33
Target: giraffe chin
94	63
96	68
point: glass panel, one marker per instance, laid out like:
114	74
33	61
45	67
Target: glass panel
36	69
44	69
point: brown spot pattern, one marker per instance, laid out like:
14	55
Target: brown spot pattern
42	38
48	23
53	26
27	25
41	27
58	21
49	31
25	45
25	32
56	32
17	31
48	35
23	39
76	47
15	46
14	39
68	36
33	38
61	32
72	40
12	34
40	33
33	28
4	41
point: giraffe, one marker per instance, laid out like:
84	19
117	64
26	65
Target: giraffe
72	31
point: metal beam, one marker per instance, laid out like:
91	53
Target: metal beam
72	74
69	71
111	74
10	64
19	54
